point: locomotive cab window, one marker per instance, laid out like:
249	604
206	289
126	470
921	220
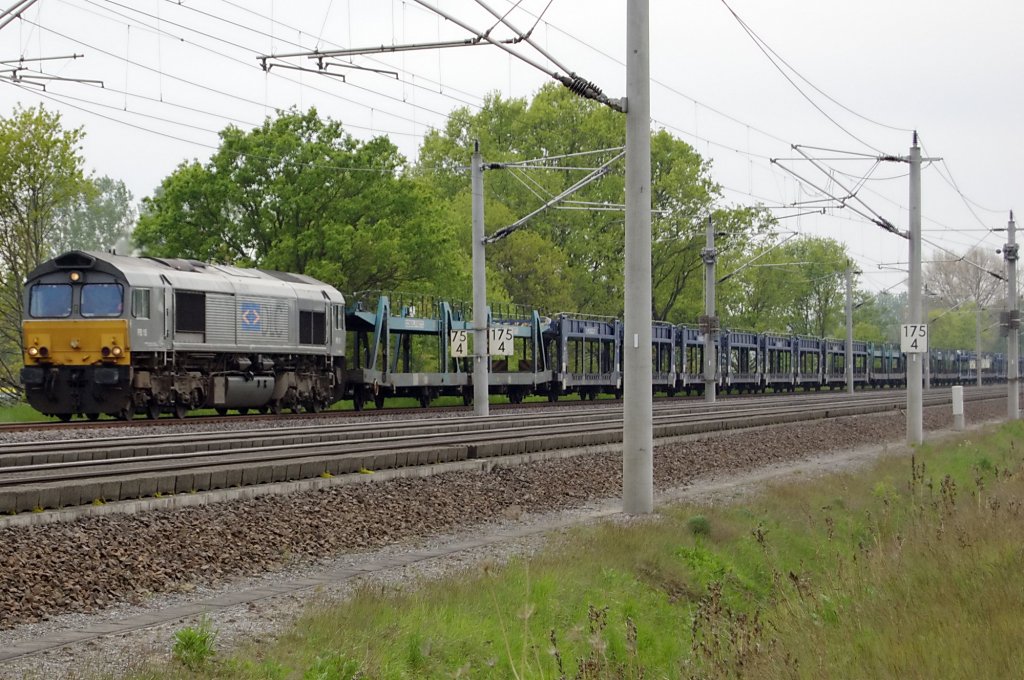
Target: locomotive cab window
102	299
50	300
140	303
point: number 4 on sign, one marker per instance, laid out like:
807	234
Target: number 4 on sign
459	341
913	338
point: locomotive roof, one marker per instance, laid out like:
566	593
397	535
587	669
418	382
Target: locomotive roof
189	274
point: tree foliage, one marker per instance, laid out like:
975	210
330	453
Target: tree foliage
877	318
41	179
100	219
797	286
583	250
299	194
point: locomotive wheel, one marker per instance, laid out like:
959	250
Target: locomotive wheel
92	416
64	417
154	410
180	410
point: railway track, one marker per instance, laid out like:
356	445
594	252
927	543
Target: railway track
168	421
37	476
213	419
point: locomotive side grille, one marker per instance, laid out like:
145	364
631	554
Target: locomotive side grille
220	319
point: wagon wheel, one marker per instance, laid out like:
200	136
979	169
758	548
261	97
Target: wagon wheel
314	406
64	417
276	407
378	400
243	411
424	400
263	410
358	400
92	416
154	410
552	396
180	410
221	411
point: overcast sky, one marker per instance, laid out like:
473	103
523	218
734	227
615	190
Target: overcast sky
175	73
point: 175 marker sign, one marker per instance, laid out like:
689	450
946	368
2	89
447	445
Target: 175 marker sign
913	338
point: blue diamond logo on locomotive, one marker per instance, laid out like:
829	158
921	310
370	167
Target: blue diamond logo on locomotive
251	316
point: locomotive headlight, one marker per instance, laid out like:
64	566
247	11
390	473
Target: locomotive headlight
116	351
33	351
75	277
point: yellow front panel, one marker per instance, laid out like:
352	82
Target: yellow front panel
76	342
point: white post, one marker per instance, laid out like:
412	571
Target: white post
915	413
958	408
481	391
638	411
709	254
1013	337
849	328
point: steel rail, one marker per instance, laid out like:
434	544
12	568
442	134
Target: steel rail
57	485
144	445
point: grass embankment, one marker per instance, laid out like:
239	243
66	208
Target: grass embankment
909	569
20	412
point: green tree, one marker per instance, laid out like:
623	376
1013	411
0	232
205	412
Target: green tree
531	268
798	287
758	294
299	194
99	220
820	285
878	317
583	249
41	179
